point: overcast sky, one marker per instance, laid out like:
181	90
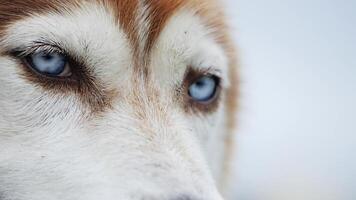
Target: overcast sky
297	127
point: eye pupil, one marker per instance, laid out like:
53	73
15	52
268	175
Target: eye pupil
47	57
200	83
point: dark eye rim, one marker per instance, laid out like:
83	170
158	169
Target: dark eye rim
192	106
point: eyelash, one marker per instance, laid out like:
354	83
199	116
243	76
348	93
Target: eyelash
38	47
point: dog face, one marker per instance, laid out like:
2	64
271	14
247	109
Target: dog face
114	99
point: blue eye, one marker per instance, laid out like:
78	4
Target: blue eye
49	64
204	89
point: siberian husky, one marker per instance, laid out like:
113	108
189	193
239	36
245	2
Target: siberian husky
115	100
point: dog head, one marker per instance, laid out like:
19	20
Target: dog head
114	99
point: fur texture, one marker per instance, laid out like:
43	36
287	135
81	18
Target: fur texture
123	128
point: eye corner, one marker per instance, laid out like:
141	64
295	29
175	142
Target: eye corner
15	53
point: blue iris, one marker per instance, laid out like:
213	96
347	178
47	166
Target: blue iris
52	64
203	89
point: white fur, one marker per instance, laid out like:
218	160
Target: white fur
51	148
186	42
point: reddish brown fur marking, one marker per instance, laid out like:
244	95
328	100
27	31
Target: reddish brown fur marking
14	10
126	11
231	104
160	13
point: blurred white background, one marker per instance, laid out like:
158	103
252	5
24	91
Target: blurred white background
297	124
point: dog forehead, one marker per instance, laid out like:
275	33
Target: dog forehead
140	19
